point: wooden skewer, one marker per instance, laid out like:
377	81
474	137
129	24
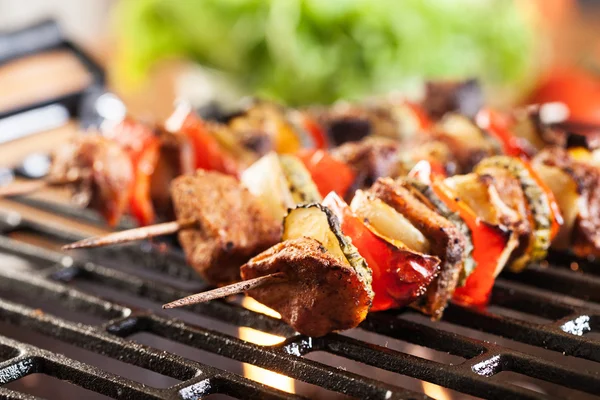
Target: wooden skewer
27	187
131	235
20	188
228	290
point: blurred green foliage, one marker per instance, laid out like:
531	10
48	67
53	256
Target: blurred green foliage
317	51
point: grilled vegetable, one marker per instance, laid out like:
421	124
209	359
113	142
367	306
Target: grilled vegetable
208	153
566	192
538	200
319	223
299	180
328	286
445	241
503	128
329	174
143	147
388	222
400	275
280	182
584	232
493	244
426	190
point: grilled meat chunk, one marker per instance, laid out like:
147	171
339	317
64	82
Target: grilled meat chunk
463	97
322	293
232	225
576	186
445	239
371	158
176	158
99	172
468	143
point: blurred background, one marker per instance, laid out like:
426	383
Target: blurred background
311	51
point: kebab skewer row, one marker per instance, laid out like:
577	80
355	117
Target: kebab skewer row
371	151
158	155
383	189
96	167
186	142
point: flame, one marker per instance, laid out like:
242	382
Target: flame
435	392
255	373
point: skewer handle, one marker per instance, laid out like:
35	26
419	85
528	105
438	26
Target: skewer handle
228	290
131	235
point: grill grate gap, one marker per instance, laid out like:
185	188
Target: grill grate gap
105	363
383	375
541	386
253	372
424	352
39	384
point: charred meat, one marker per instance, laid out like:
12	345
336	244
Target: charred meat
99	172
232	225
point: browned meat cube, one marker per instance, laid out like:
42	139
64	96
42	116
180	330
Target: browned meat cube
99	172
232	225
322	294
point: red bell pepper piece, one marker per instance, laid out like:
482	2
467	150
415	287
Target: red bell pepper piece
424	121
399	274
207	151
499	126
316	132
489	242
329	174
143	147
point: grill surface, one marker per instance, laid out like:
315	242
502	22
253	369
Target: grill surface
562	309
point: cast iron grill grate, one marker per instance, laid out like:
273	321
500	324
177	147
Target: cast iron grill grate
568	303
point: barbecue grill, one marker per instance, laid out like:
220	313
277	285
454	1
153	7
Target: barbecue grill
93	319
549	313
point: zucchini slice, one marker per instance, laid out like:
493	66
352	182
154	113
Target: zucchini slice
539	204
389	222
566	193
300	183
469	263
318	222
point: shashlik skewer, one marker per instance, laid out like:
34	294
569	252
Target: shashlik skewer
388	191
186	142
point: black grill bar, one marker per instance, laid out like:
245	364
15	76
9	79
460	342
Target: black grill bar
57	275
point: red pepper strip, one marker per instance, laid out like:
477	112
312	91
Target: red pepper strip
329	174
557	218
143	148
499	125
316	132
399	275
489	242
424	121
141	202
207	151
